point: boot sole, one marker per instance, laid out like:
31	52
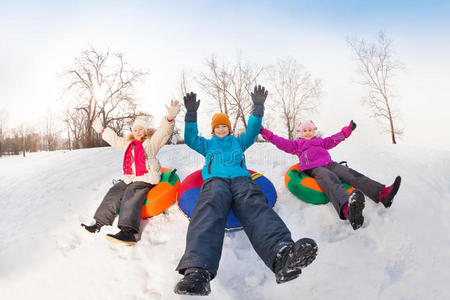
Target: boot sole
117	241
390	197
355	210
304	253
192	293
183	288
91	232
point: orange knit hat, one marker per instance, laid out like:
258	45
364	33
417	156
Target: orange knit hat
220	119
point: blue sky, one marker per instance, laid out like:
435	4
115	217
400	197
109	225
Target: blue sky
40	39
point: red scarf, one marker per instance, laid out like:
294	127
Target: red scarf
139	159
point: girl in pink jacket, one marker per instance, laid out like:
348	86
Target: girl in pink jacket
315	161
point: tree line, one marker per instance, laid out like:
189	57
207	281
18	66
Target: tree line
102	85
23	139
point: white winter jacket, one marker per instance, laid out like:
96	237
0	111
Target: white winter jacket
151	148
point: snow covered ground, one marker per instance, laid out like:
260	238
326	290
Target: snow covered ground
400	253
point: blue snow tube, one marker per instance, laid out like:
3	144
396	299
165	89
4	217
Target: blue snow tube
190	189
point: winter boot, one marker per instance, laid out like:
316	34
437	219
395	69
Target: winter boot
291	259
92	228
355	207
124	236
387	193
194	282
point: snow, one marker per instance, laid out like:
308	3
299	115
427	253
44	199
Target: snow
399	253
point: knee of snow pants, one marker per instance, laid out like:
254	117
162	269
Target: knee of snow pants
332	187
107	211
131	205
361	182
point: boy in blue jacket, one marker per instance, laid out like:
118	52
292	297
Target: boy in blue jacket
228	185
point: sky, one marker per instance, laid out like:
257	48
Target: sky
41	39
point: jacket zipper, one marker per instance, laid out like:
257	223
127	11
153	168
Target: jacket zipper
210	163
306	158
242	160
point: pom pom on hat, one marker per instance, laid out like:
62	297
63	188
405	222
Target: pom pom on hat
220	119
307	124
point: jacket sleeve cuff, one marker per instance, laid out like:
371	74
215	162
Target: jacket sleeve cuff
258	110
191	116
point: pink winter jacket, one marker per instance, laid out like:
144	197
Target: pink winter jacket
311	153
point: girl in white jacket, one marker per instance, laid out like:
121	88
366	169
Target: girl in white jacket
142	172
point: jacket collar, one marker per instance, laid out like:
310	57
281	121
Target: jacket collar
224	139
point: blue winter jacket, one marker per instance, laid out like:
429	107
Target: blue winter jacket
224	157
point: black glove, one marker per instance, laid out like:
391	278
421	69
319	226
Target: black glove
259	95
353	125
191	105
190	102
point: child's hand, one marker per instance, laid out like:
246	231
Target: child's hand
266	134
347	130
190	102
97	125
259	95
173	109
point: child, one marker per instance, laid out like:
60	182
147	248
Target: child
228	185
315	161
142	172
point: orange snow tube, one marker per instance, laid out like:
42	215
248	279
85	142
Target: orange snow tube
163	195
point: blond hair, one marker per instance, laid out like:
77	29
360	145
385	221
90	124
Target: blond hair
148	135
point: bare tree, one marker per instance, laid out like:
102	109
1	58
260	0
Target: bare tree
377	66
230	86
3	119
215	83
295	91
67	121
74	121
49	133
183	88
21	135
104	87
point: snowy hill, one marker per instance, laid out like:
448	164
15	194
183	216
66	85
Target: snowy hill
400	253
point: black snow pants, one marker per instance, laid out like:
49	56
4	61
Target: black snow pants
265	229
328	176
129	198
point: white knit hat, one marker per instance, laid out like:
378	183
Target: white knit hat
141	121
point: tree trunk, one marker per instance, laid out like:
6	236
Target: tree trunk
392	131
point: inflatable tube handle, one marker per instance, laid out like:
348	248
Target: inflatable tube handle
299	174
172	174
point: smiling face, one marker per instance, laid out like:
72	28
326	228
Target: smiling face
221	131
307	133
138	132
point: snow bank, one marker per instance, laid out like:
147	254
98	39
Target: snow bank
400	253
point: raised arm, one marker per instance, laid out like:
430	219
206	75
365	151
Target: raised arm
109	136
198	143
165	129
334	140
281	143
259	96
